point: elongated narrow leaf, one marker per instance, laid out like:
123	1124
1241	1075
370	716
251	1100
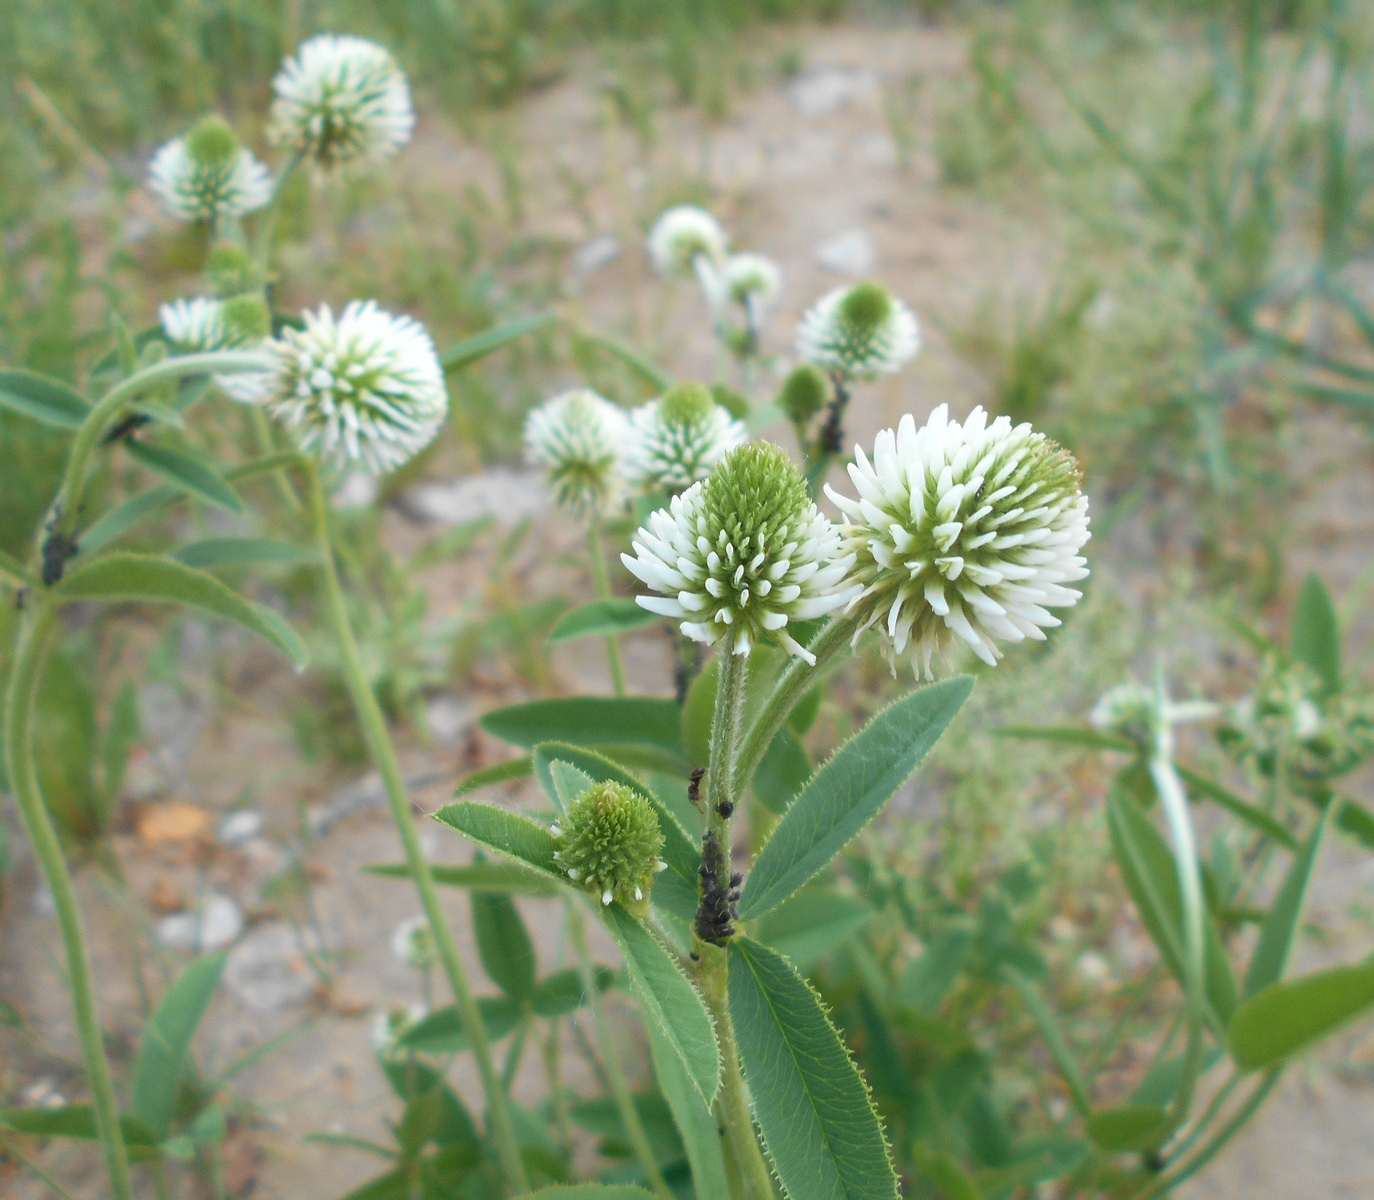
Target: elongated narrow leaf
1128	1127
696	1122
121	576
241	551
668	999
1243	810
601	618
186	473
166	1039
591	1191
76	1121
502	772
442	1032
501	877
568	783
123	517
1316	636
783	773
562	992
1148	869
507	833
1066	735
590	721
503	944
811	1103
675	891
42	398
1286	1017
848	791
811	924
465	353
656	378
1280	929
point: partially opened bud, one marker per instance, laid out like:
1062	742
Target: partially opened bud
804	393
207	174
609	843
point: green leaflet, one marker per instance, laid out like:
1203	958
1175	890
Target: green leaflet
121	576
811	924
502	772
240	551
669	1000
644	730
186	473
811	1103
1285	1017
1316	635
848	791
505	877
503	944
465	353
590	1191
78	1121
506	833
696	1122
167	1037
1128	1127
42	398
1280	928
604	618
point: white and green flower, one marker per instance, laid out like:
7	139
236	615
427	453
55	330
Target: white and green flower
861	332
207	175
678	439
684	239
579	438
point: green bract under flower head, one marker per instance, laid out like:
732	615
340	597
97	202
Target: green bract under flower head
679	438
609	843
740	555
804	393
579	438
863	331
968	531
207	175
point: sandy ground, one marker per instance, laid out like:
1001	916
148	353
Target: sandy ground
794	167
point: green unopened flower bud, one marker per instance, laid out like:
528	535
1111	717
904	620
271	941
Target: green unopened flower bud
803	395
685	404
231	270
247	319
609	843
211	142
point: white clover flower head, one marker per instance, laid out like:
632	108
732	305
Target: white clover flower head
751	280
364	387
679	438
207	174
340	99
238	323
743	553
1128	709
963	531
684	236
862	332
412	942
578	437
390	1025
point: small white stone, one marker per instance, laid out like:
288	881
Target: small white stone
239	827
851	253
592	256
216	923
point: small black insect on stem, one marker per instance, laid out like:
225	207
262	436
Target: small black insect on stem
58	549
831	438
21	596
122	429
694	786
720	891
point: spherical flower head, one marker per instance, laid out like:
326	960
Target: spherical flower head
340	99
609	843
863	331
364	387
679	438
204	324
578	437
751	280
804	393
207	174
969	532
389	1026
1129	710
682	236
740	555
413	943
195	324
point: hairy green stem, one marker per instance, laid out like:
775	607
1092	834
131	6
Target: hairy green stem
384	755
267	222
603	592
221	362
796	679
23	775
615	1069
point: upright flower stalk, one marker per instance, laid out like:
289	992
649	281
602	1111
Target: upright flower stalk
384	755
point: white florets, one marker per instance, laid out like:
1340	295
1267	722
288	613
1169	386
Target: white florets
684	235
742	554
199	324
413	943
579	437
862	331
339	99
751	281
364	387
676	440
969	531
199	191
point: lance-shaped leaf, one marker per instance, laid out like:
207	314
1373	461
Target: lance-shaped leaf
646	724
186	473
78	1121
590	1191
42	398
1280	929
465	353
503	944
506	833
166	1039
848	791
502	772
1286	1017
696	1121
487	877
602	618
143	577
241	551
1316	636
812	1105
668	999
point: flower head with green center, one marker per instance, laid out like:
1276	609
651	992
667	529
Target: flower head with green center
679	438
609	843
413	943
751	281
684	237
1129	710
963	531
340	99
740	555
207	174
237	323
862	331
364	387
579	438
804	393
